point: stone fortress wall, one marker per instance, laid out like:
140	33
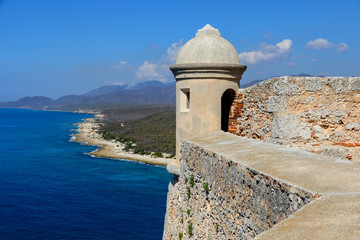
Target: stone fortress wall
220	198
320	115
232	187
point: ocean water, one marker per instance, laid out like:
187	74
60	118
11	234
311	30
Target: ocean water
50	189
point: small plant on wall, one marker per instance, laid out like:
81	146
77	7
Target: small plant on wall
192	182
206	187
190	229
188	212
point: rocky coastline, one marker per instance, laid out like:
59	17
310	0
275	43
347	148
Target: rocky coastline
88	134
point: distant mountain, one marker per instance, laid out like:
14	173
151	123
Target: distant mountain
246	85
31	102
302	75
147	95
70	99
153	83
308	75
170	83
152	92
105	90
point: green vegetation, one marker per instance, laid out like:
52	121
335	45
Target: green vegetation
154	132
181	235
182	220
188	192
217	227
192	180
158	154
190	229
188	211
206	187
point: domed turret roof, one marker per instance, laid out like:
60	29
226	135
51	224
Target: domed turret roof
208	47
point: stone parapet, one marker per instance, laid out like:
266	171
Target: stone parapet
319	115
233	187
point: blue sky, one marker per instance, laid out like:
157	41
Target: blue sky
57	47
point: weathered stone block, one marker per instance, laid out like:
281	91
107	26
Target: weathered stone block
339	84
273	104
285	88
353	126
333	151
339	114
354	83
289	127
313	84
322	113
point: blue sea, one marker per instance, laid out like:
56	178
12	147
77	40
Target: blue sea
51	189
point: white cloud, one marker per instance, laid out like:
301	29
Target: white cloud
115	83
314	60
121	65
172	52
322	43
160	70
319	44
267	52
147	71
341	47
292	64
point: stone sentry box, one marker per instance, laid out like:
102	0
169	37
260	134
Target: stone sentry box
207	71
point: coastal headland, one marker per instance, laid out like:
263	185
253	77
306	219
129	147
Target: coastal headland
88	134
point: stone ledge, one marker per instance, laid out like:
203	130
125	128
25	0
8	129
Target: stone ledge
335	215
309	171
331	217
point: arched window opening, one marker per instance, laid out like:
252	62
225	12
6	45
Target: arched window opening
226	101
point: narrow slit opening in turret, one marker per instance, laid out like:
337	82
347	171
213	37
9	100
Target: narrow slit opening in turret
185	100
226	101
